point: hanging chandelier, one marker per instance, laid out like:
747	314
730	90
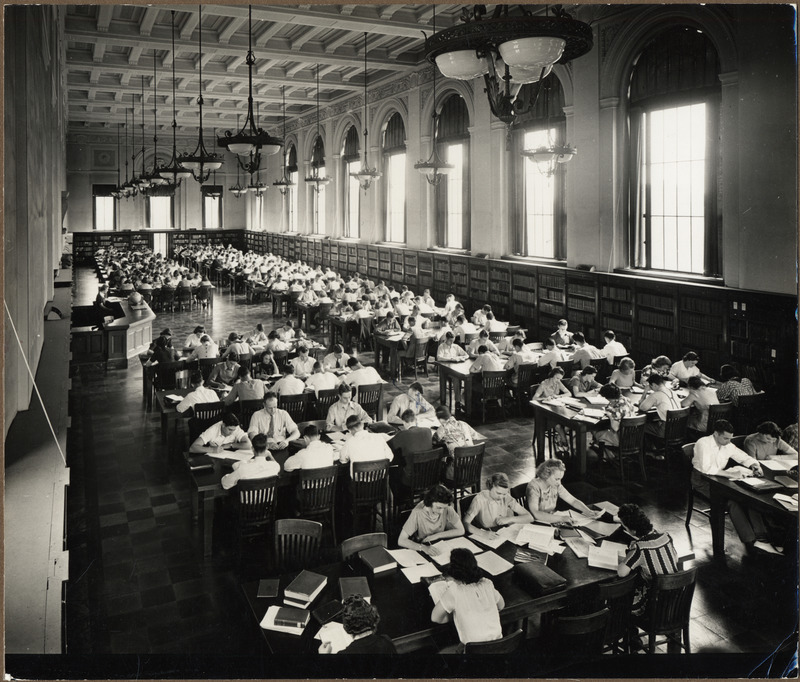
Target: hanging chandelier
284	183
256	186
128	189
317	181
508	51
366	175
173	172
548	157
200	163
434	169
143	181
251	140
213	190
159	187
118	192
237	190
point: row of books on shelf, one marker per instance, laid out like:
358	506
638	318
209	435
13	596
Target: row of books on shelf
650	317
586	290
655	301
618	325
580	304
552	281
616	293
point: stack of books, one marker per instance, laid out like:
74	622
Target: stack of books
284	619
304	589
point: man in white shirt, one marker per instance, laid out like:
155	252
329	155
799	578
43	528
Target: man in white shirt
286	333
360	375
261	466
289	384
224	435
482	340
321	380
711	455
337	360
613	348
343	408
199	394
485	362
520	356
315	455
552	355
414	400
584	352
303	364
363	446
450	351
276	424
479	316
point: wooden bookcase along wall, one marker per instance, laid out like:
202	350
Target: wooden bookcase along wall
500	289
425	270
582	304
372	262
459	279
478	291
552	299
410	271
523	299
441	277
656	318
616	312
702	328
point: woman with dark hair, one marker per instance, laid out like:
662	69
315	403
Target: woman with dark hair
471	600
585	383
163	352
767	443
700	398
617	408
687	367
659	365
733	385
432	519
552	386
360	620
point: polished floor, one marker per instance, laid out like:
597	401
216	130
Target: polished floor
140	585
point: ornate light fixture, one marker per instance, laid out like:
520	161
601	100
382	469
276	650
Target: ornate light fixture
366	175
250	141
200	163
143	181
237	190
317	181
214	190
547	157
118	192
173	172
434	169
284	183
508	51
127	188
159	187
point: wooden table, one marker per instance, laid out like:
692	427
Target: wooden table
389	345
304	312
405	609
547	415
341	333
457	373
169	413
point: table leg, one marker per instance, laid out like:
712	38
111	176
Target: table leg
541	427
197	503
468	397
581	436
394	363
163	427
717	518
443	386
208	523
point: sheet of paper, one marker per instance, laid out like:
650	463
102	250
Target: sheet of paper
596	400
334	634
789	503
579	546
407	557
417	573
485	537
336	436
437	589
586	418
575	402
610	507
605	556
268	622
594	412
586	537
511	533
445	547
238	455
536	537
557	547
602	528
174	397
492	563
579	520
786	482
778	464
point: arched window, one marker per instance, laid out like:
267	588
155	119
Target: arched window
674	118
291	195
452	194
540	206
318	195
351	164
394	171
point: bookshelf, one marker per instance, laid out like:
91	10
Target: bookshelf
372	261
582	304
326	254
384	265
459	277
410	272
441	281
425	270
500	289
656	318
397	275
702	328
361	259
551	300
616	312
478	283
523	299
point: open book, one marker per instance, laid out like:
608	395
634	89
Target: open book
607	555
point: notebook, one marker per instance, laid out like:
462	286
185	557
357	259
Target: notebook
306	586
268	588
356	585
759	485
492	563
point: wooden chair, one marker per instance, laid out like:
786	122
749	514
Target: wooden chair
203	296
155	303
297	543
617	596
295	405
324	401
523	391
246	409
467	466
418	359
674	435
168	299
668	609
520	494
578	638
352	546
206	365
716	412
324	316
369	489
469	338
246	360
496	337
208	412
603	369
281	358
183	298
493	388
631	443
750	412
255	499
319	423
316	494
370	397
164	377
568	366
506	645
424	471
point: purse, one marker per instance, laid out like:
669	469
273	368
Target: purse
538	580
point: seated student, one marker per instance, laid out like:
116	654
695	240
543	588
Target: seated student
506	344
613	348
286	333
206	349
276	424
479	316
163	352
494	507
544	491
360	375
224	373
315	455
687	367
617	409
336	359
449	304
321	379
224	435
552	386
360	620
659	365
274	343
427	299
258	337
561	337
482	340
199	394
451	432
414	400
790	436
485	362
193	340
410	439
236	345
246	388
658	395
472	602
733	385
342	409
289	384
711	455
461	328
551	355
651	552
363	446
261	466
432	519
520	356
303	364
699	399
624	376
450	351
767	443
584	352
388	324
493	325
267	367
584	383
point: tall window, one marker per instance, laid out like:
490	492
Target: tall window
318	197
212	207
674	112
159	213
540	213
351	164
104	207
394	170
452	195
291	195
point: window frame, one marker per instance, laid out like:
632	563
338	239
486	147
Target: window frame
149	213
388	156
219	208
100	192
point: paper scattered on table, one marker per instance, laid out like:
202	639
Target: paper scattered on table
582	417
596	400
237	455
536	537
557	547
174	397
485	537
602	528
610	507
786	482
445	547
778	464
407	557
586	537
578	520
336	436
594	412
492	563
636	389
607	555
334	634
417	573
575	402
789	503
579	546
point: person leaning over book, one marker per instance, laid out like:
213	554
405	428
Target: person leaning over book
766	443
544	491
360	620
225	434
432	519
261	466
494	507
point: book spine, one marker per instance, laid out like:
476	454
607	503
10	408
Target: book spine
286	623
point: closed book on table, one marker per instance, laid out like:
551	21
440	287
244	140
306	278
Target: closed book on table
200	462
356	585
377	559
268	587
327	612
537	579
305	587
289	617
